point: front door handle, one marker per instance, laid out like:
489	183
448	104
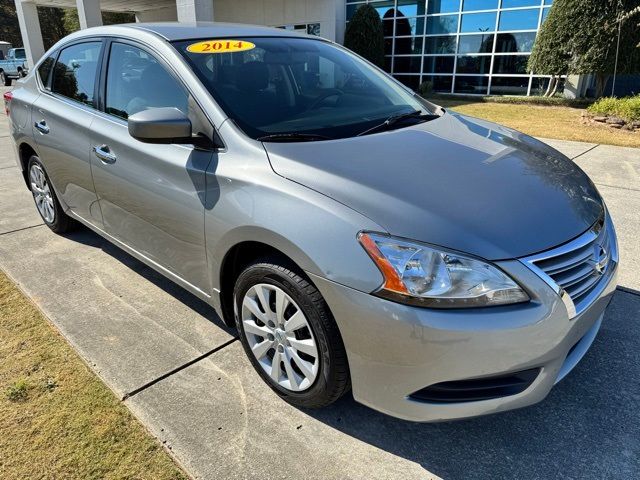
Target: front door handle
104	154
42	127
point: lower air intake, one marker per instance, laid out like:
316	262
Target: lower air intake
476	389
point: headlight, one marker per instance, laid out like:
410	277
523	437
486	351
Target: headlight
422	275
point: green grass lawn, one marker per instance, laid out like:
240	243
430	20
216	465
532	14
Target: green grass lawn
561	122
57	419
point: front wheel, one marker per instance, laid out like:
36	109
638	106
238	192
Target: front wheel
289	334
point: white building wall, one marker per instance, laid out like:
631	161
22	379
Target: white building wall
329	13
166	14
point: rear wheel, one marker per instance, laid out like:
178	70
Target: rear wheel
6	81
289	334
45	198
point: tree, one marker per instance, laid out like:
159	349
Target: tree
51	25
9	29
580	37
365	35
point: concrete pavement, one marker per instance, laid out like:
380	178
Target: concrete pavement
186	378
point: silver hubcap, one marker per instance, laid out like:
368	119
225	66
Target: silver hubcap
42	193
280	337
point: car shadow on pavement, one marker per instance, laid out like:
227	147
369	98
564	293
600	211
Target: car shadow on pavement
588	426
87	237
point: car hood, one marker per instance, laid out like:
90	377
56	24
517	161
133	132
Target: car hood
458	182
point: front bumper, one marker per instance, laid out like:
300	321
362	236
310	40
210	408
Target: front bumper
395	350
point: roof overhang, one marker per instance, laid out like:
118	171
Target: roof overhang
113	5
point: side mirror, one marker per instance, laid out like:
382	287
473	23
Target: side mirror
160	125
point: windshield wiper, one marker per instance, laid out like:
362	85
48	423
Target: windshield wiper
293	137
393	119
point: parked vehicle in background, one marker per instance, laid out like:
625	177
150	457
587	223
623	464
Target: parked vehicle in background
4	49
14	66
356	235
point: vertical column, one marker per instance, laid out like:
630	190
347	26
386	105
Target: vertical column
195	10
30	31
89	13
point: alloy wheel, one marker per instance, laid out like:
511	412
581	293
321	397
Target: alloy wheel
280	337
42	193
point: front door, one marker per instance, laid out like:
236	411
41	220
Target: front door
151	196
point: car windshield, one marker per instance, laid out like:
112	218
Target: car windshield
296	88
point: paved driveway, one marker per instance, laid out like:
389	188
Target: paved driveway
186	378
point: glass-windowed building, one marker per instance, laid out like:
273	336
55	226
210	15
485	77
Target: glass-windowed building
458	46
461	46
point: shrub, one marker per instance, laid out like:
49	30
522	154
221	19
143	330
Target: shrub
365	35
627	108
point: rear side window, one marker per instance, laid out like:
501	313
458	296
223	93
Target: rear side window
45	69
74	75
136	81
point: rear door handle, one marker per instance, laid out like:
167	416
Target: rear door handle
104	153
42	127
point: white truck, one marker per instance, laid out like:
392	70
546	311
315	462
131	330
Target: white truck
14	66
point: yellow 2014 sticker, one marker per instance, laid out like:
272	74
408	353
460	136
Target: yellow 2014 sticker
220	46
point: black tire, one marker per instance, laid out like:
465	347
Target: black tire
22	73
6	81
61	221
333	379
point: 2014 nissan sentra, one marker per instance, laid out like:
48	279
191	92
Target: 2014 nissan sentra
358	236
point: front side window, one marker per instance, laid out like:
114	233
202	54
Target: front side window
297	85
45	69
136	82
74	75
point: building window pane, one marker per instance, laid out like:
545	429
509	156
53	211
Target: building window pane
545	12
385	9
407	64
509	85
443	24
408	46
515	42
548	2
479	4
439	83
387	27
475	44
511	64
519	19
520	3
478	22
438	64
409	26
74	75
410	8
411	81
473	64
388	44
443	6
387	64
476	85
539	85
351	10
440	45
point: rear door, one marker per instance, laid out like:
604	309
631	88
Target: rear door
151	196
62	117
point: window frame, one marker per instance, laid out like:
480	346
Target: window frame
218	142
49	87
104	70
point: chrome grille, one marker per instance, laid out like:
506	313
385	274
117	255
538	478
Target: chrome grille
580	266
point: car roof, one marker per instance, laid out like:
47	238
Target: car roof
172	31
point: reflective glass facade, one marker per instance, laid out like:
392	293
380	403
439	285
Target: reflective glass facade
461	46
